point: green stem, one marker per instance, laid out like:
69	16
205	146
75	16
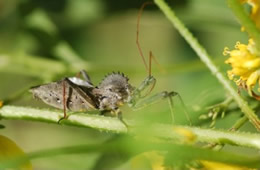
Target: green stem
240	122
207	135
245	20
104	123
205	57
84	120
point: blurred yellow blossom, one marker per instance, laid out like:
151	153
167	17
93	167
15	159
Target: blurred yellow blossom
1	103
255	11
148	160
245	65
187	135
9	150
211	165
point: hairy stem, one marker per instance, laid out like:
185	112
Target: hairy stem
83	120
104	123
206	58
240	122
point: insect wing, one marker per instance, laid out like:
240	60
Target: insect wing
76	98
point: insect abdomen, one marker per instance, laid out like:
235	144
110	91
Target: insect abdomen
52	94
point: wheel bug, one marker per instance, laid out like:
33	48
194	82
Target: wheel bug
76	94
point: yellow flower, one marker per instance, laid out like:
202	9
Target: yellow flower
211	165
255	11
245	65
1	103
9	150
152	159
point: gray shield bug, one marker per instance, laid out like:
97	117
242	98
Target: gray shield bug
76	94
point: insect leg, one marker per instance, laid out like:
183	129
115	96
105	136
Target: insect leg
184	107
120	116
150	81
158	97
115	113
64	101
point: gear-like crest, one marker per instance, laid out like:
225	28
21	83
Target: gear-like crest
116	79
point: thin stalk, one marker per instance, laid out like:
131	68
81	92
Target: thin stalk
240	122
111	124
206	58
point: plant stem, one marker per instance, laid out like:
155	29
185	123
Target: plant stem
104	123
205	57
243	17
84	120
209	135
240	122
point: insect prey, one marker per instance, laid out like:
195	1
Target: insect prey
79	94
76	94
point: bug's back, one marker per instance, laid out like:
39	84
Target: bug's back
77	99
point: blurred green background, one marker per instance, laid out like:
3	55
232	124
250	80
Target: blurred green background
44	40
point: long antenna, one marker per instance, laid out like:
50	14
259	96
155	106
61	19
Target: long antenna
137	34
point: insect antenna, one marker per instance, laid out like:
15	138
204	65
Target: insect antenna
137	36
151	56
